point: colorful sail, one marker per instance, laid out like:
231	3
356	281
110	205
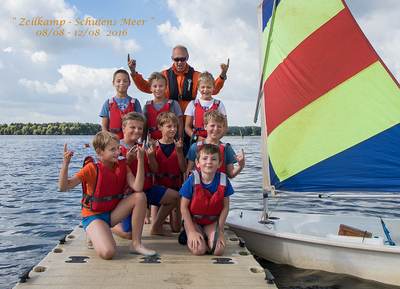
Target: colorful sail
332	108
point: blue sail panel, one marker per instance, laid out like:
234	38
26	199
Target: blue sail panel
372	165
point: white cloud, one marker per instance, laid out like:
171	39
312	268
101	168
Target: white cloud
40	56
8	49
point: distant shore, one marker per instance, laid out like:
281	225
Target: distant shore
77	128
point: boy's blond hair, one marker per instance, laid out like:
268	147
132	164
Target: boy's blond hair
166	117
206	77
121	71
157	75
209	149
215	115
133	115
103	139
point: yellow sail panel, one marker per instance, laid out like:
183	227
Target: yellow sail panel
294	21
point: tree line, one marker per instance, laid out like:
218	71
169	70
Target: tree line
54	128
77	128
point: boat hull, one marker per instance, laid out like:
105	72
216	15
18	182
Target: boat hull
311	242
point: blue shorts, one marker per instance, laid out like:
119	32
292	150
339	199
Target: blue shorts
154	196
106	217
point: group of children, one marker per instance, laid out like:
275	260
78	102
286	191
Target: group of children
158	171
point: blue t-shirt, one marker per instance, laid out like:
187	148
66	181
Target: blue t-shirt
122	104
188	187
229	154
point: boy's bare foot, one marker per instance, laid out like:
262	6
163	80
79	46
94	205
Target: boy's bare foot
160	231
89	243
142	250
146	220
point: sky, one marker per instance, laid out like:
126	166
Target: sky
65	74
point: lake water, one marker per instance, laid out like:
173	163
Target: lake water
35	215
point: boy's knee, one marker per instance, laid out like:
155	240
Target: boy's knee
199	251
139	198
106	253
175	194
219	251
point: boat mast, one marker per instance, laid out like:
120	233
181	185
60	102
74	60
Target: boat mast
260	103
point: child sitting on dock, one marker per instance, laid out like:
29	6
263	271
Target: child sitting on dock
104	182
214	124
163	197
205	203
170	157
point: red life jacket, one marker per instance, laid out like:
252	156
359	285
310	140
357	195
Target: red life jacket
221	146
108	188
133	166
174	91
204	206
199	116
152	114
115	125
168	174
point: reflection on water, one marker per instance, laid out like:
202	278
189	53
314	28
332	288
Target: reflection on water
35	215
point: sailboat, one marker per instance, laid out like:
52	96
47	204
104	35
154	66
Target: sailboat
330	116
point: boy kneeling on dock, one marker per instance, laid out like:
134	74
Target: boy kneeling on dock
103	205
205	203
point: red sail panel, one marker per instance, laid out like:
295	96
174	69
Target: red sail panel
328	57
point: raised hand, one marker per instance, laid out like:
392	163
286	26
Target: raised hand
224	68
179	145
151	152
240	159
140	150
132	65
131	154
67	155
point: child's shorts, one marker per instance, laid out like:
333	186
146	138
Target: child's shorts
154	196
106	217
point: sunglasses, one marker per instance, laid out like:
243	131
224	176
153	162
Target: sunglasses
181	59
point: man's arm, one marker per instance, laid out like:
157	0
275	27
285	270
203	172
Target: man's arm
140	82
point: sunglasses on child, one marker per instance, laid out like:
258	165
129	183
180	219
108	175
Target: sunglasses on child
181	59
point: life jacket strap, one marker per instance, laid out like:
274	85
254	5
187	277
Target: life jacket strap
105	199
171	176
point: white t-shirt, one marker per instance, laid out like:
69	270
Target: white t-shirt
206	104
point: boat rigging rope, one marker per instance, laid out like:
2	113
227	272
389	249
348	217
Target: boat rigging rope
266	213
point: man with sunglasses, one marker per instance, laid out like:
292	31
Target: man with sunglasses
182	78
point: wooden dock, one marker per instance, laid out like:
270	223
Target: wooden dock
72	265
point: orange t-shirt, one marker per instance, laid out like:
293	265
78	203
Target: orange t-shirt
88	174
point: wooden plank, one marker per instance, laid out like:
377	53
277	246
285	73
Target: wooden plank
345	230
177	267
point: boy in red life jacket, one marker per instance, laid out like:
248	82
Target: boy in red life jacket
194	123
107	178
116	107
170	157
214	124
152	108
205	203
162	197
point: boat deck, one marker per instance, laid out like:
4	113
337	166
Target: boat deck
72	265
